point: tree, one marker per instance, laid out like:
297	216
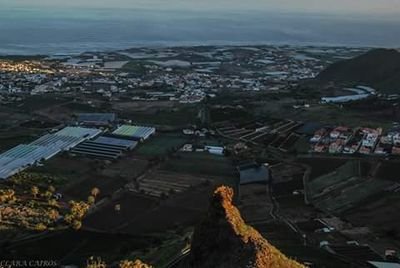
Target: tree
69	218
91	200
34	191
51	189
7	196
76	225
48	195
53	203
53	214
95	263
40	227
95	192
78	209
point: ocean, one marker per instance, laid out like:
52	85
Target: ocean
27	31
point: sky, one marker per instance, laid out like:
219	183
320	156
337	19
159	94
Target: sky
71	26
378	7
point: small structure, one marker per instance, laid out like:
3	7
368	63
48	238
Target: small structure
104	147
217	150
24	155
139	133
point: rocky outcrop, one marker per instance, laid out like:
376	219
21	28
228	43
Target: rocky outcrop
224	240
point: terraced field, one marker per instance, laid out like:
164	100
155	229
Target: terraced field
164	183
344	188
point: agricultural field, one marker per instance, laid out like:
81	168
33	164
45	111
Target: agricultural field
320	166
202	163
162	184
177	212
255	204
344	189
389	170
379	213
179	117
33	103
142	106
282	107
139	214
131	207
161	144
82	174
157	113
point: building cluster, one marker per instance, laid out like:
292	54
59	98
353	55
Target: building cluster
27	67
153	75
345	140
88	139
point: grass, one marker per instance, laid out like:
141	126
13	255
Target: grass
183	116
136	67
32	103
161	145
302	145
81	107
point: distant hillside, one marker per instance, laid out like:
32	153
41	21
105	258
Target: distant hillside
224	240
379	68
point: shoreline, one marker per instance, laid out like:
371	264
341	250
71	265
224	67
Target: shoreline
162	45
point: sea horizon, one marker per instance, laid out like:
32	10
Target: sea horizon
32	31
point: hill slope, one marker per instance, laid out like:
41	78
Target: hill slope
223	240
379	68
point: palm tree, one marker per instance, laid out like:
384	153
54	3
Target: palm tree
34	191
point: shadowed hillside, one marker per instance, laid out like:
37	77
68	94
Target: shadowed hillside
379	68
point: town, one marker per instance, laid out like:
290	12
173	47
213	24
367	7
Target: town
186	75
119	152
